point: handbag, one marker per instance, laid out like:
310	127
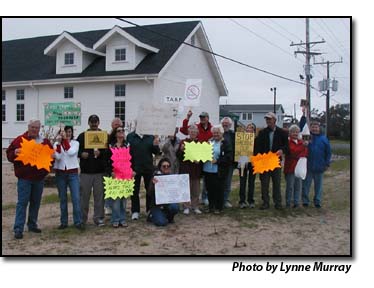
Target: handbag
300	169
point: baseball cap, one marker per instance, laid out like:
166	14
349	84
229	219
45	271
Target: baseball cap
270	115
204	114
93	118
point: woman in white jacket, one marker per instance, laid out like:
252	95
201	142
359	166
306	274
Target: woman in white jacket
66	168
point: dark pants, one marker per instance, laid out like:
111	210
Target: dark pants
135	201
247	174
161	217
275	176
215	186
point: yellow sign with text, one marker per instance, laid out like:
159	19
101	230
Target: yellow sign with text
244	143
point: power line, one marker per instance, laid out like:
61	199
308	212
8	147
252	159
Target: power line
276	31
213	53
333	34
289	32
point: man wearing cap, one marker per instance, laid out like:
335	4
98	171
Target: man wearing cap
204	126
274	139
92	165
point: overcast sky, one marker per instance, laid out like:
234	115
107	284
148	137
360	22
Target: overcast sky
260	42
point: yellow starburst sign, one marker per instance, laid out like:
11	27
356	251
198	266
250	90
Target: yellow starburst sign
35	154
198	152
265	162
118	188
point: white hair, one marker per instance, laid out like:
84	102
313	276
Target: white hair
294	128
193	127
33	120
228	119
217	127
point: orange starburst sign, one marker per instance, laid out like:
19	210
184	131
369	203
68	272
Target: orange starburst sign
35	154
265	162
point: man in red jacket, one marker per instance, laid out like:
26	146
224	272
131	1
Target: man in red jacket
30	182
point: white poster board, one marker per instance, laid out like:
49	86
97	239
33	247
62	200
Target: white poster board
173	188
156	120
192	93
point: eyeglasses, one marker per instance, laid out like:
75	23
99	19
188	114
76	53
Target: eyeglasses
165	166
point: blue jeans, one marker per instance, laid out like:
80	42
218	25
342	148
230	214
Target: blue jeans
228	180
108	203
118	211
318	179
161	217
63	180
28	192
293	188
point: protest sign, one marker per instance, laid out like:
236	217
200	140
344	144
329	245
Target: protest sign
192	92
156	120
95	139
116	188
244	143
67	113
198	151
172	189
121	163
35	154
265	162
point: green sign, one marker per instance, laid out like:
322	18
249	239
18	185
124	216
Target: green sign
67	113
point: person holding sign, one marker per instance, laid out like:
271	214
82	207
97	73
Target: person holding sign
142	149
247	173
274	139
66	170
118	205
297	149
193	169
229	136
92	164
30	182
216	171
160	215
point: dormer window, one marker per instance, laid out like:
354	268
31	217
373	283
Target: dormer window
120	54
69	58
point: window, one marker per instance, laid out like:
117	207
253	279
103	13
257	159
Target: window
120	54
20	112
3	95
3	113
120	90
119	110
69	58
68	92
20	94
247	116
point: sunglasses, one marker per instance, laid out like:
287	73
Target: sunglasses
165	166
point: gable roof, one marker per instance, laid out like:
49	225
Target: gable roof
24	59
259	108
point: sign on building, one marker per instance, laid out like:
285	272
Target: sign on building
67	113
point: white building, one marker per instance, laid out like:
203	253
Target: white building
108	72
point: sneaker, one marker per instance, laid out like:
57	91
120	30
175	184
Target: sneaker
227	204
62	226
108	211
135	216
217	212
186	211
35	230
100	223
18	235
80	226
252	205
206	202
115	225
124	224
197	211
242	205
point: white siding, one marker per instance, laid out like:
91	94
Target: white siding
190	64
68	47
118	42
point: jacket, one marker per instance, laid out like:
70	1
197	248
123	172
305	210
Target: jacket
66	155
141	152
296	150
204	134
224	158
319	153
262	141
21	170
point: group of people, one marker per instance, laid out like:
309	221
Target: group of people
214	190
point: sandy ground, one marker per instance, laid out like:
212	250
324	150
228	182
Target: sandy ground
240	232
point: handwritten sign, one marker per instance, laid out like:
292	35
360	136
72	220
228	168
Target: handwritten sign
198	151
244	143
265	162
192	92
115	188
156	120
121	163
172	189
35	154
67	113
95	139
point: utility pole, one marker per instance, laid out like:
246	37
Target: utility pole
327	118
275	97
307	54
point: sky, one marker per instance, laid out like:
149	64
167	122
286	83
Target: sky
263	43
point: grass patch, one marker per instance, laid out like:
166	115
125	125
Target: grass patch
340	165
